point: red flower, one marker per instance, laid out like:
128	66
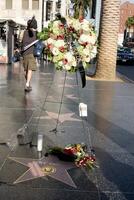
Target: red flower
60	37
71	150
49	46
85	44
62	49
61	26
81	162
81	19
71	29
65	61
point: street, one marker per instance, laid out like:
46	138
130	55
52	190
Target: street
126	70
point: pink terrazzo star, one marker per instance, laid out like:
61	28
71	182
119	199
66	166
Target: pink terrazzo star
62	117
67	85
71	96
46	166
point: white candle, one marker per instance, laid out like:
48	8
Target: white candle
40	142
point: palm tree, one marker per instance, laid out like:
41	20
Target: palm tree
107	51
81	7
130	23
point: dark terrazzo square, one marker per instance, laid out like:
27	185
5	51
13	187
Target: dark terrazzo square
54	96
24	151
8	101
115	172
116	196
71	135
71	97
70	107
47	115
30	101
9	130
103	142
4	151
15	115
109	134
21	193
60	135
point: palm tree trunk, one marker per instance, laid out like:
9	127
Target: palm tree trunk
109	25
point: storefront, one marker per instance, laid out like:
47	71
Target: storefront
9	32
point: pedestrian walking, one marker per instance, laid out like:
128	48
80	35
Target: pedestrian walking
29	61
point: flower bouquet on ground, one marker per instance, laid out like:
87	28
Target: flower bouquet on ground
76	153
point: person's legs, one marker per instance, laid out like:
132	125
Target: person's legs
28	73
29	76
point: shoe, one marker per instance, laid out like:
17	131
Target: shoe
28	89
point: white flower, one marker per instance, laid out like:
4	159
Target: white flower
60	63
68	56
59	43
94	52
85	25
76	24
70	61
69	21
67	67
86	52
89	39
92	39
55	51
74	63
85	21
50	41
86	59
56	24
84	38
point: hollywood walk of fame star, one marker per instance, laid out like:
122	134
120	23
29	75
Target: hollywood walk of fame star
46	166
71	96
67	85
69	78
62	117
46	74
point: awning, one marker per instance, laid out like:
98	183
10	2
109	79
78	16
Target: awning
11	23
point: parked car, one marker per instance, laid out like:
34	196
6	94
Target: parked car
129	42
125	55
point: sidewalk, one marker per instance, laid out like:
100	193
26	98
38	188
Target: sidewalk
52	109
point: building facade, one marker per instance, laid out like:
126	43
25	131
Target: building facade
97	15
22	10
126	10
